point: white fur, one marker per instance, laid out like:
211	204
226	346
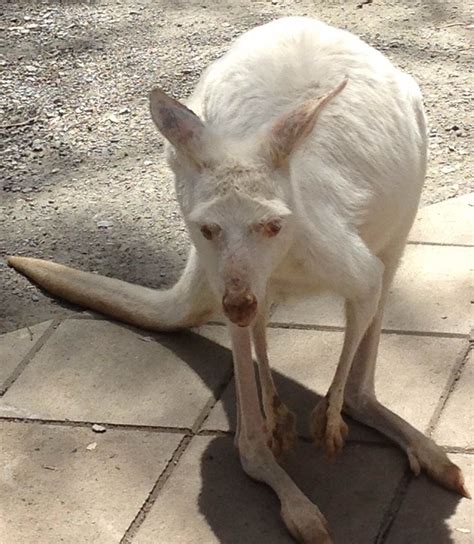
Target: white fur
352	187
345	192
283	141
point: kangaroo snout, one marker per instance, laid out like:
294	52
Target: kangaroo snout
240	306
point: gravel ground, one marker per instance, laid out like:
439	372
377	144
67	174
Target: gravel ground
83	179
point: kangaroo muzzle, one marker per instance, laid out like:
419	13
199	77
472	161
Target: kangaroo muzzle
240	306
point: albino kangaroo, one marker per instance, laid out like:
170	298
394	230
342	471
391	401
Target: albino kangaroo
298	167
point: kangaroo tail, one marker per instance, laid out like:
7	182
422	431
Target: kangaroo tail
189	303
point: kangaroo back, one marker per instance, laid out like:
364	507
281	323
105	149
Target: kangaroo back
366	160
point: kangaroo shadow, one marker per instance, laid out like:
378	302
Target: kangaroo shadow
357	492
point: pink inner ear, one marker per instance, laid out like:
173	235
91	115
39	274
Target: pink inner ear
185	131
290	130
178	124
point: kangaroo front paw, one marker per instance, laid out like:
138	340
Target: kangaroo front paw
281	429
328	428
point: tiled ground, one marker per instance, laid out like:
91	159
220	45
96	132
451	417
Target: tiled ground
165	471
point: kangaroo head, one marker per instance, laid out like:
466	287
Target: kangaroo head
233	198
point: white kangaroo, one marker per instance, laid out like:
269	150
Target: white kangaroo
299	166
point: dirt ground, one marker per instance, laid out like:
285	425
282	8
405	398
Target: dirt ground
83	181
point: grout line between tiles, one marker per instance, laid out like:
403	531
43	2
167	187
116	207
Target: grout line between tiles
469	450
111	426
160	482
29	356
214	432
161	429
453	378
437	244
393	508
308	440
212	402
335	328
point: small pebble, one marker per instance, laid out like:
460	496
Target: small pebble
104	224
98	428
113	118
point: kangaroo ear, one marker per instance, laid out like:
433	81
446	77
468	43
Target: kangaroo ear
178	124
293	127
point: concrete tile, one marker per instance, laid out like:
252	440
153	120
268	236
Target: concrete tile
432	291
101	371
430	294
221	504
430	514
326	309
448	222
53	490
456	425
411	375
15	345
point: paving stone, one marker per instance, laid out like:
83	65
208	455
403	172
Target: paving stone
104	372
326	309
411	375
15	345
221	504
430	294
448	222
430	515
53	490
456	426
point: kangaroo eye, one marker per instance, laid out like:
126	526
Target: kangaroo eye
272	227
269	227
210	231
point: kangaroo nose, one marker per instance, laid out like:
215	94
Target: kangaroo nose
240	307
